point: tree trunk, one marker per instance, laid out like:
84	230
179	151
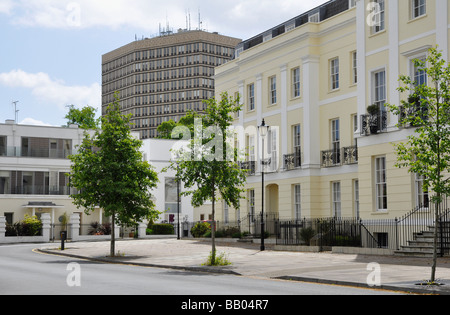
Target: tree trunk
113	236
213	231
435	241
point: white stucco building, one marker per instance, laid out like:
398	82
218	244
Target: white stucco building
158	153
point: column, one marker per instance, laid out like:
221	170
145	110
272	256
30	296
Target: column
394	71
142	227
311	112
442	27
361	15
45	219
284	91
74	223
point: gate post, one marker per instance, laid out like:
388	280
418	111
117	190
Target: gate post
45	219
2	229
74	223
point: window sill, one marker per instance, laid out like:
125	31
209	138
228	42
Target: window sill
414	19
377	33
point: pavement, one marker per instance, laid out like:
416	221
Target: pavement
405	274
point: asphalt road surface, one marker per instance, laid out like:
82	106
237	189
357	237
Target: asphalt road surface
24	272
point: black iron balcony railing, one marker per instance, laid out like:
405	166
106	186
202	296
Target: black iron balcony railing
417	110
331	158
350	155
250	166
337	157
292	161
372	124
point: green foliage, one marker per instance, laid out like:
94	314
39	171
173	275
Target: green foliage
184	129
29	226
161	229
217	260
209	168
84	118
427	109
200	229
109	172
307	234
165	129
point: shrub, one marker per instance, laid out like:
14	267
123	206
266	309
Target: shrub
200	228
100	229
307	234
161	229
29	226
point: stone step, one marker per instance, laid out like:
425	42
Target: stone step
413	254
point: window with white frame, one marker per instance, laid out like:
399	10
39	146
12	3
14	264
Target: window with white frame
273	90
422	196
251	97
336	198
418	8
355	129
356	197
251	148
273	149
380	184
251	203
314	18
351	4
296	82
419	75
354	67
379	81
378	16
225	212
297	145
334	74
297	203
335	140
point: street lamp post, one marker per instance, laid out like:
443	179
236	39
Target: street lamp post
178	208
263	130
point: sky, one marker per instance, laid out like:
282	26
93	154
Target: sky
51	50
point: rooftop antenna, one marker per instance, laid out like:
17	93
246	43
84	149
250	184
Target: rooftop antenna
16	111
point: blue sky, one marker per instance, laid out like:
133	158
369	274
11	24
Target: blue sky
51	50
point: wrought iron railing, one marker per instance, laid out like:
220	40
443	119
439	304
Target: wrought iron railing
350	155
372	124
417	110
331	158
250	166
292	161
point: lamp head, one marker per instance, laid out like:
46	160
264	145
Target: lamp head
263	129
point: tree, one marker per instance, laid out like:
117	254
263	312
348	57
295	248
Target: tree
84	118
208	166
168	129
109	172
427	152
165	129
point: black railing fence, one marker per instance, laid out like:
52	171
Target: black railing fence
349	232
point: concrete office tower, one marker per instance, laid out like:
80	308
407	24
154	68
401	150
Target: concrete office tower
164	77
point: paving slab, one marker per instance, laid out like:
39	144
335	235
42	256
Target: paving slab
385	272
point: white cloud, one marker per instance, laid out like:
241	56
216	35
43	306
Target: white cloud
227	17
53	92
34	122
6	6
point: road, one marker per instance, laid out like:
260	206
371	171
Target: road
24	272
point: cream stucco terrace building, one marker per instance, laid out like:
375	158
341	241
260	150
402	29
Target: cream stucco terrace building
311	79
